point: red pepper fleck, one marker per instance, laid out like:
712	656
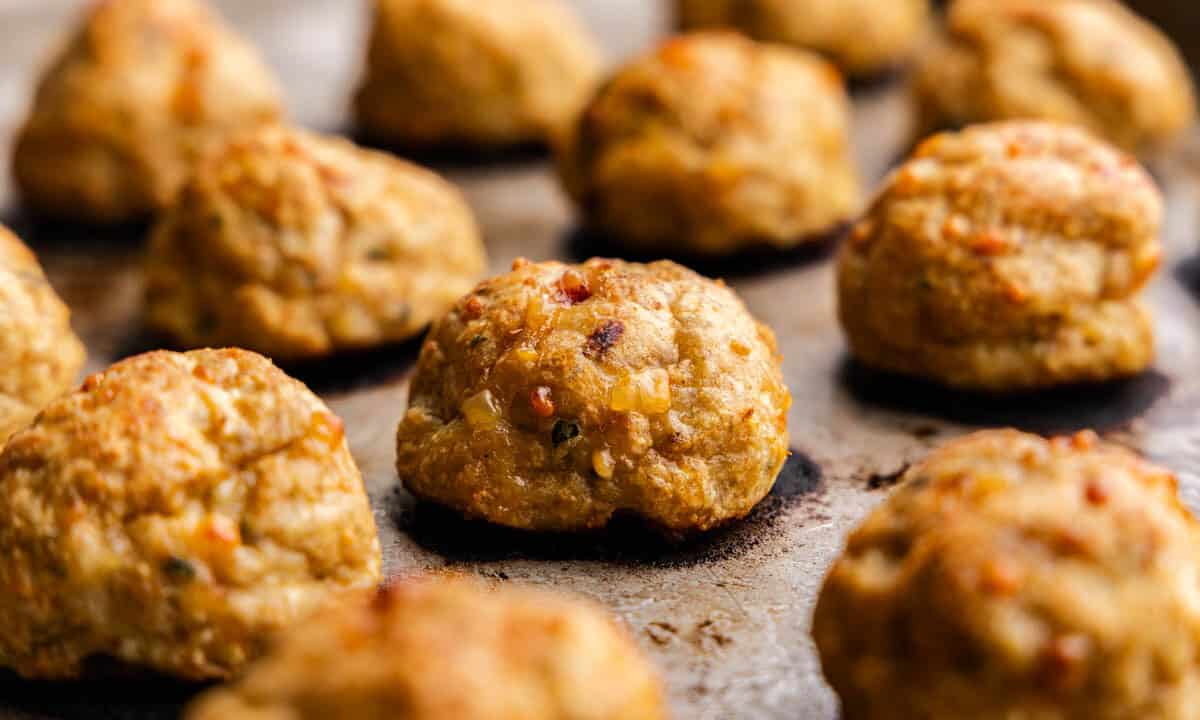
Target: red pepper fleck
1064	662
573	288
1096	492
473	308
542	402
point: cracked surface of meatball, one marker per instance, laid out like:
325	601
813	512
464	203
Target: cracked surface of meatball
40	355
1013	577
141	89
864	37
713	144
438	648
556	395
1092	63
299	246
474	74
173	513
1005	257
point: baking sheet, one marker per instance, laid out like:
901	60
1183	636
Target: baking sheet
725	617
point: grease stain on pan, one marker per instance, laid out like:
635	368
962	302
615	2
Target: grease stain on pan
1100	406
583	243
626	540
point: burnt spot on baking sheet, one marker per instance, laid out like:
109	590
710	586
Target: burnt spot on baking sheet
583	243
110	690
460	155
1098	406
885	480
626	540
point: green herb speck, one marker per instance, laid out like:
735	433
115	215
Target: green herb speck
564	431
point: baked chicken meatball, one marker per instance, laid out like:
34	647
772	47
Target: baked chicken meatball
864	37
554	396
439	648
173	513
1003	258
40	356
1092	63
299	246
464	73
714	144
139	91
1013	577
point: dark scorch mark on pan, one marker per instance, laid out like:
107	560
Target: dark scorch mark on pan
885	480
583	243
626	540
1100	406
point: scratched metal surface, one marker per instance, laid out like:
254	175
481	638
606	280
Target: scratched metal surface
725	617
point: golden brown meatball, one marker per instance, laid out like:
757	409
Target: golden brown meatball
173	513
1005	257
464	72
125	108
1014	577
440	648
863	37
714	144
1092	63
553	396
40	356
296	245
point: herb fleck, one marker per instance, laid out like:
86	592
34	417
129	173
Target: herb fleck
379	253
478	340
564	431
178	569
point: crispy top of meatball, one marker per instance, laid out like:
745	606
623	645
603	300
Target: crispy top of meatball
712	143
861	36
173	512
999	237
554	396
298	245
439	648
1011	576
462	72
40	356
127	105
1087	62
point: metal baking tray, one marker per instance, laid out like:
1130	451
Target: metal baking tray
725	616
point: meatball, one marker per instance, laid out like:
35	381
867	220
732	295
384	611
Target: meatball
1003	258
444	647
864	37
121	114
40	356
715	144
554	396
1085	62
299	246
474	74
173	513
1013	577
